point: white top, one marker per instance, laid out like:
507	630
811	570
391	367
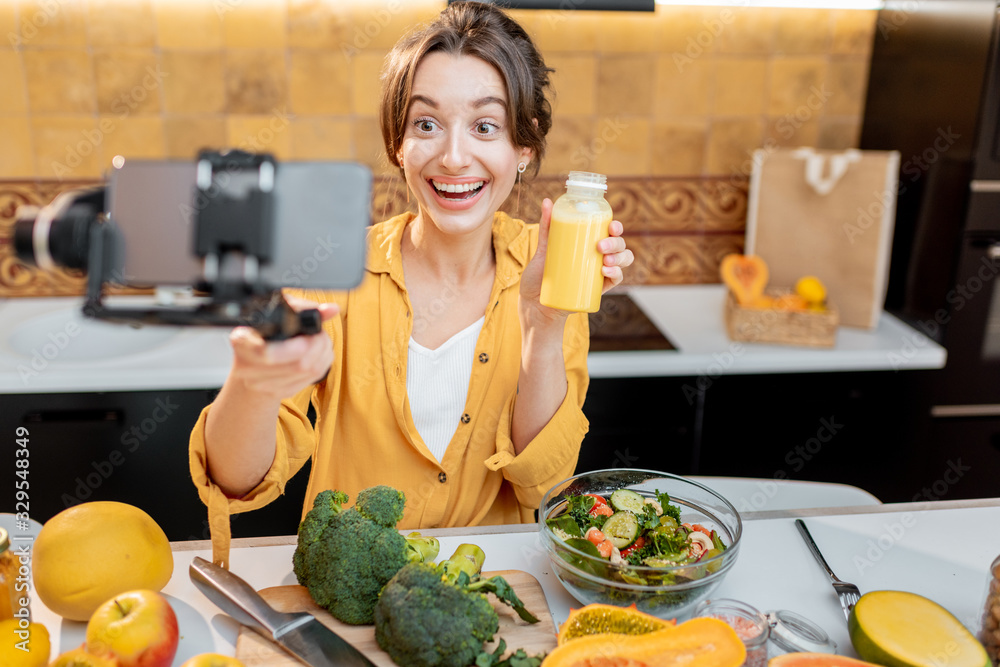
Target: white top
437	382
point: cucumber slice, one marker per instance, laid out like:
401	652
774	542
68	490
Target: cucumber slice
623	499
621	528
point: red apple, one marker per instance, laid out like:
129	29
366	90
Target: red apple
212	660
139	628
79	657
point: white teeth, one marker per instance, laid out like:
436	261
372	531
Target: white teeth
459	187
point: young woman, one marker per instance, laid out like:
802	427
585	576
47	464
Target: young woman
441	374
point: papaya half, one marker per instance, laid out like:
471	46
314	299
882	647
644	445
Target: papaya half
745	275
700	642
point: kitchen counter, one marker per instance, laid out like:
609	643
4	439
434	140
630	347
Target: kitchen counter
904	547
691	317
46	346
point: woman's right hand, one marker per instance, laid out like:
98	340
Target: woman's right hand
277	370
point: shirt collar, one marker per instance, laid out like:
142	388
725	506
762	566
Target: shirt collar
510	243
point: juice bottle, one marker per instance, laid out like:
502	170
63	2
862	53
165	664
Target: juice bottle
572	279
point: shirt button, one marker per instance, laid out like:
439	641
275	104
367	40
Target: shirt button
466	418
442	477
483	357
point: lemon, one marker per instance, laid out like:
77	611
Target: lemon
13	645
811	289
91	552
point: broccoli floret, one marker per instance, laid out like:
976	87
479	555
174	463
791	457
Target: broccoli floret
439	615
345	556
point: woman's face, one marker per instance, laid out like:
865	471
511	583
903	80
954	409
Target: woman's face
457	152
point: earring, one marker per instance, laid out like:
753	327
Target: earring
521	166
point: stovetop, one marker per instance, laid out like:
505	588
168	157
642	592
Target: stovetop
621	325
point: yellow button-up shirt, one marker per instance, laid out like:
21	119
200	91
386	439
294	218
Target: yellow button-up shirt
364	433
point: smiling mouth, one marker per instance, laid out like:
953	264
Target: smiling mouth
457	191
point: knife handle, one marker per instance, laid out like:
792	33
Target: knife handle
235	596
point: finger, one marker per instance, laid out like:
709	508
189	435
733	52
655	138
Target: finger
612	276
246	342
298	303
624	258
612	244
284	351
328	311
615	228
544	221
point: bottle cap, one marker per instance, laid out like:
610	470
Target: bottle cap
793	632
586	179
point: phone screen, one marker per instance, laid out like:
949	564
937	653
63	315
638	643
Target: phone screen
321	214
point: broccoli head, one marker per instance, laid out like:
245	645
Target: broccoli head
345	556
439	615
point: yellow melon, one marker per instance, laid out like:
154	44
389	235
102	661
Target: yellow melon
91	552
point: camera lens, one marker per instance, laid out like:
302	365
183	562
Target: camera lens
57	235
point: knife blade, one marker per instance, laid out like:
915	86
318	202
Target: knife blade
298	633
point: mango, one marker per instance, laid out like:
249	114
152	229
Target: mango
899	629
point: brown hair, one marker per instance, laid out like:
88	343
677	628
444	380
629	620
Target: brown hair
486	32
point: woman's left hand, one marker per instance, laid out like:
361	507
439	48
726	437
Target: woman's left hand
616	256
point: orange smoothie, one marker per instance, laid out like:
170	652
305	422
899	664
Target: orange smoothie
572	278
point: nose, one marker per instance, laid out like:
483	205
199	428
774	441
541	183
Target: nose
456	155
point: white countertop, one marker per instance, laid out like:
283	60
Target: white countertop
939	550
46	345
691	317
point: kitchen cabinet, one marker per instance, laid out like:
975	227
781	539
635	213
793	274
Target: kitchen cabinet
866	429
131	447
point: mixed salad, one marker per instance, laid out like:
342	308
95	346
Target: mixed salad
627	529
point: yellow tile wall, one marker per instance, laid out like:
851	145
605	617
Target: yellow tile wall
682	91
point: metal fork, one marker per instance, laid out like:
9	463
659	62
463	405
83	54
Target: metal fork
848	593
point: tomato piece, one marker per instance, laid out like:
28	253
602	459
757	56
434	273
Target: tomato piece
639	543
600	499
601	509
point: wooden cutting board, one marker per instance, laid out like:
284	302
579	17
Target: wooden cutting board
535	638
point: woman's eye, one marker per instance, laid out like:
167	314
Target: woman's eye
485	128
425	125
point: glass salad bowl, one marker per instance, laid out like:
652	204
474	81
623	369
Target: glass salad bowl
667	590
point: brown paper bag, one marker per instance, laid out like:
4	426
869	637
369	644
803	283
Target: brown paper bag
828	214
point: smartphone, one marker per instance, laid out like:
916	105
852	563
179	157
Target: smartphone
321	214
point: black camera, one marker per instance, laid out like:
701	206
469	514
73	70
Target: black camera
235	226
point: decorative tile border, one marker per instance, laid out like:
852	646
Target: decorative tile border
679	228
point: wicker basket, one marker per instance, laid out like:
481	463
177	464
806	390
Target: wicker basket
788	327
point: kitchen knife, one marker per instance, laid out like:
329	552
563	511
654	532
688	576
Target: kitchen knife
300	633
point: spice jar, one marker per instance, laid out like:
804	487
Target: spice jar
750	625
989	635
768	634
8	575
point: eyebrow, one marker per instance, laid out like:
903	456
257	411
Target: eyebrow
481	102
